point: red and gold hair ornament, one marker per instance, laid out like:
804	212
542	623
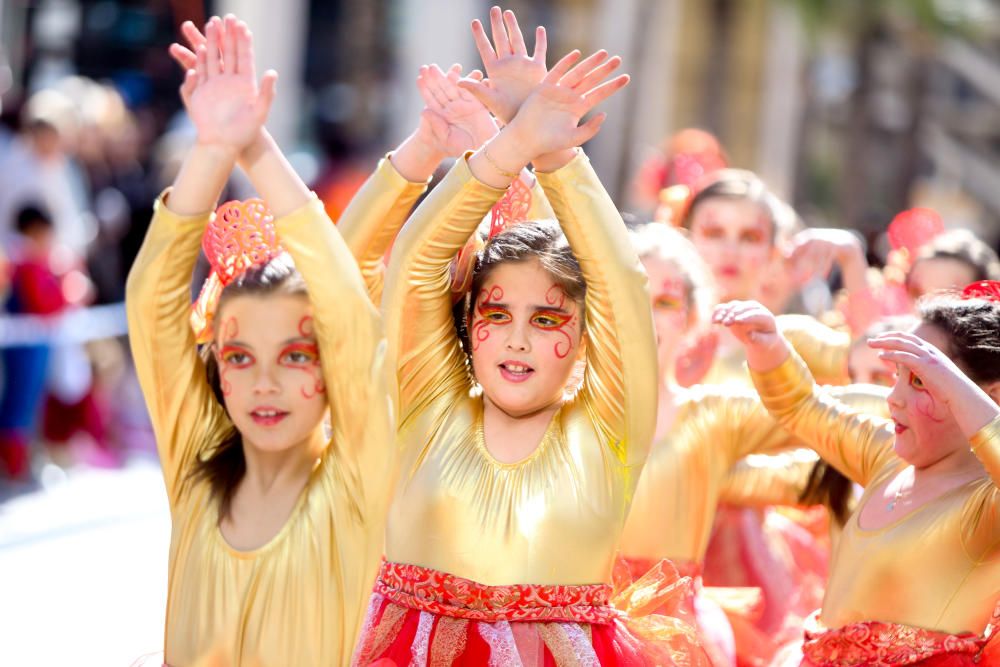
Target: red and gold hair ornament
239	237
988	290
511	209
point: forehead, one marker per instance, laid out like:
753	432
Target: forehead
264	319
935	273
525	281
729	211
932	334
661	270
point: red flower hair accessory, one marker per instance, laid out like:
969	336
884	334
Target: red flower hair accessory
512	208
239	237
914	228
988	290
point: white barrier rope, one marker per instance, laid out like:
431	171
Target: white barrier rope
74	326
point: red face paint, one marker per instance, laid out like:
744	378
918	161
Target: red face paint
487	314
559	322
304	357
924	402
230	329
671	296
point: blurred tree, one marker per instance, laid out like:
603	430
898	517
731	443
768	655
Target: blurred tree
865	25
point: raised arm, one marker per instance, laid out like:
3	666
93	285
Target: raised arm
856	444
824	350
452	122
185	416
620	379
776	479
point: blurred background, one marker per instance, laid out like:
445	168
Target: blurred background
850	110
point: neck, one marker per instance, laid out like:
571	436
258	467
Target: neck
494	411
960	461
267	470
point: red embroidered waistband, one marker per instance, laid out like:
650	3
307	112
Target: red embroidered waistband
879	644
448	595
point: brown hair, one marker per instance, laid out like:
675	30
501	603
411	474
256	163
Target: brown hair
737	184
973	330
963	246
542	240
225	466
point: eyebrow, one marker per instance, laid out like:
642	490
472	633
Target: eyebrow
505	306
287	341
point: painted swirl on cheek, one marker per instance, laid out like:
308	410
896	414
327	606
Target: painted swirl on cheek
927	406
480	327
314	369
556	297
230	329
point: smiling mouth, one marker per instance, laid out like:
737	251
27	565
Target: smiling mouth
513	371
268	416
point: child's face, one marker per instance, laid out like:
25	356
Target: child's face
938	273
269	369
525	337
926	430
671	310
734	238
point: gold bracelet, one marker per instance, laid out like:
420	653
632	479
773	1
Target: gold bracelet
503	172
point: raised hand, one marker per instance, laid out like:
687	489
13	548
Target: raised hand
512	73
549	120
186	55
221	93
812	252
757	329
453	121
932	371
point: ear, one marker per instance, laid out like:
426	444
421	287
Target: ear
993	389
581	349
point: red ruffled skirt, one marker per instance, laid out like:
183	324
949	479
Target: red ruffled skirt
420	616
878	644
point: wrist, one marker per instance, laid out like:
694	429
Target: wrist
763	357
416	158
253	151
217	151
550	162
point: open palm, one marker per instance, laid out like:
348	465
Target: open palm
454	120
221	93
512	73
549	120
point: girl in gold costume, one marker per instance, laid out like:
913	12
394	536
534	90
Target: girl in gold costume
277	527
512	493
914	578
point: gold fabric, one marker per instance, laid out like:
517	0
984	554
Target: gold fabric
760	480
936	567
691	469
299	599
823	349
371	221
379	209
556	516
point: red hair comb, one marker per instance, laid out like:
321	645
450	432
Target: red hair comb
239	237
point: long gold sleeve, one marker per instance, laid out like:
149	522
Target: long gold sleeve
857	444
185	416
769	479
675	502
986	447
374	217
426	353
824	350
352	352
620	380
540	208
